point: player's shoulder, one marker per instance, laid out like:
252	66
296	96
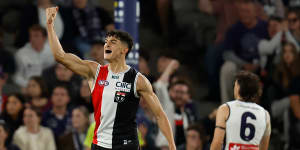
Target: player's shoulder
141	79
142	82
93	64
224	108
260	107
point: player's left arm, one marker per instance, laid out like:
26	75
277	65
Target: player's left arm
144	89
264	144
222	115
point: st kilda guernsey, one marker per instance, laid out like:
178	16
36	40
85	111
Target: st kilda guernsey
115	102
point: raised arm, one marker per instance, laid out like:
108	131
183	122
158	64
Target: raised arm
171	68
144	89
84	68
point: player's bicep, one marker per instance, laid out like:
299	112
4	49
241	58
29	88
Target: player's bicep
84	68
220	128
144	89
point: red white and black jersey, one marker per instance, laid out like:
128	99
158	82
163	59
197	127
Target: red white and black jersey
115	102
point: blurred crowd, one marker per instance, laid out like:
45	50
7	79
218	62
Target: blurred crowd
184	45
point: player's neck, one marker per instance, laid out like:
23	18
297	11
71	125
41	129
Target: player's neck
118	66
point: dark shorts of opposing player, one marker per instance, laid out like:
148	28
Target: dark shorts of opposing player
132	146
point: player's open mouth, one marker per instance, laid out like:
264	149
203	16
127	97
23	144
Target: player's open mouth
108	51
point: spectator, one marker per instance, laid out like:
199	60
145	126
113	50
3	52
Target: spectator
85	96
241	46
36	14
97	52
185	109
227	14
37	93
162	84
59	74
13	112
58	118
196	138
33	136
33	57
75	139
286	71
272	48
294	22
147	126
4	134
88	29
177	103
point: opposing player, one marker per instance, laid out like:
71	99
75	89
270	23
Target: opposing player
246	125
115	89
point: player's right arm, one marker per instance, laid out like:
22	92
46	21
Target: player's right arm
264	143
84	68
220	129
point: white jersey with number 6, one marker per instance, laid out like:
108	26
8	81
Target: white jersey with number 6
245	126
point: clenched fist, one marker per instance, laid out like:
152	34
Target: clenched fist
51	14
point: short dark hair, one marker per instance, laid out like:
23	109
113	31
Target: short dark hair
123	37
275	18
37	27
250	87
19	96
182	82
293	10
199	128
36	111
61	85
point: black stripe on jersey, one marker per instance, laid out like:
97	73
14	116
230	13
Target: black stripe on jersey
125	126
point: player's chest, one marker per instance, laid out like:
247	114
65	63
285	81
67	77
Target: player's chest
116	88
